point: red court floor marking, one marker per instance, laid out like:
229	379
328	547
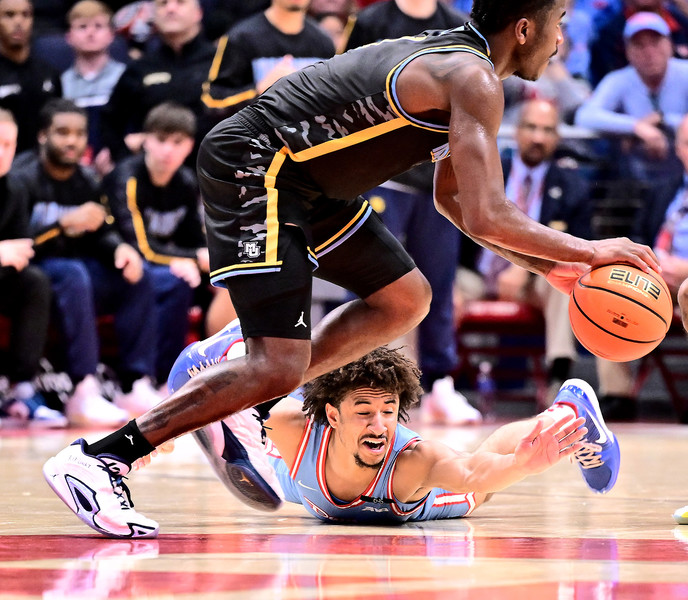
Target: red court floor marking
77	583
431	544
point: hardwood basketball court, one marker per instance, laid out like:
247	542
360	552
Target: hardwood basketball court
547	537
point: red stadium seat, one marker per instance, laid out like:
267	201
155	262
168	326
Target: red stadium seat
510	336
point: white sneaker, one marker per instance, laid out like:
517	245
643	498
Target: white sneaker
87	407
47	418
444	405
141	399
94	490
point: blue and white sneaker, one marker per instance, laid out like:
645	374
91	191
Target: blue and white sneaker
599	459
94	490
235	446
226	344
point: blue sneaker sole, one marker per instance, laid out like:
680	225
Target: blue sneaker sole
237	474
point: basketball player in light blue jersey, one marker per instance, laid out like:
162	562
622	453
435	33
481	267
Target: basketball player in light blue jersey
338	448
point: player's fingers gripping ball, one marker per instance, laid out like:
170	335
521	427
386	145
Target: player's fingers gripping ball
619	312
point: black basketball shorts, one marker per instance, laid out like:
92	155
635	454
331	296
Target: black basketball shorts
270	230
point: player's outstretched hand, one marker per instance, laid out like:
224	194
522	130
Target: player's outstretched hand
623	250
544	447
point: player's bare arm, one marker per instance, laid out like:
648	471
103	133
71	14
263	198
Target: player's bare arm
434	465
470	91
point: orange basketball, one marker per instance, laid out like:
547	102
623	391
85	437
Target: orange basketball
619	312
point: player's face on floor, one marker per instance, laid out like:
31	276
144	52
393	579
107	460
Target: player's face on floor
365	425
544	44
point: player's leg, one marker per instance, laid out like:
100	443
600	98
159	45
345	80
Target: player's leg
393	294
235	446
279	353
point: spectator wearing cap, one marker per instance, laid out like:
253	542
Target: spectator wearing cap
607	45
638	108
643	103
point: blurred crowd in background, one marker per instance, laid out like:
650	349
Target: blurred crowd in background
102	107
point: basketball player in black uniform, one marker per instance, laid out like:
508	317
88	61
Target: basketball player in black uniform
281	181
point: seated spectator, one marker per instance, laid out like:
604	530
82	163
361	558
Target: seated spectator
92	77
259	50
91	269
642	102
26	82
155	202
608	45
172	69
661	222
24	296
556	196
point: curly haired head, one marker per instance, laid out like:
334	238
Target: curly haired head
382	369
493	16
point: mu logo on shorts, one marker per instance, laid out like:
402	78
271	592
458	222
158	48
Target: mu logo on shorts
250	249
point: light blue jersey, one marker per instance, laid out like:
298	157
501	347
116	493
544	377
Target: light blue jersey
305	484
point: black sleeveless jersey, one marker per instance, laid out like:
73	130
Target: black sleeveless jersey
341	118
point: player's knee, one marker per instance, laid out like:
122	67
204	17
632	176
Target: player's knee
282	379
412	298
281	369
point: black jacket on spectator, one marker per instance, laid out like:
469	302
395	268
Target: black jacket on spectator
160	75
24	89
49	199
161	222
14	216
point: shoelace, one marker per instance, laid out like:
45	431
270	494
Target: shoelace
589	456
263	432
119	488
